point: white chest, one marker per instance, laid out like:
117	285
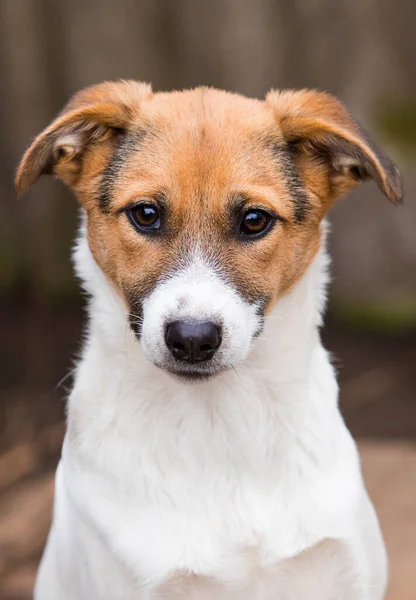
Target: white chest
192	485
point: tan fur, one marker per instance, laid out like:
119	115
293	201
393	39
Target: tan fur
203	148
324	562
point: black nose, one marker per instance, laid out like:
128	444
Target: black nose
193	341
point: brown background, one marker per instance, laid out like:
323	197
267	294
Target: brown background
361	50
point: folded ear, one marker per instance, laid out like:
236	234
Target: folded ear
324	137
91	116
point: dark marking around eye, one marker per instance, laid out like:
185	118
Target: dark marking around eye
285	156
126	144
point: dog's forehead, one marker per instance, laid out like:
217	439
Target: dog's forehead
205	126
201	143
192	109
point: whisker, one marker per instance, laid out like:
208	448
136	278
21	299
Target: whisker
235	371
64	378
138	318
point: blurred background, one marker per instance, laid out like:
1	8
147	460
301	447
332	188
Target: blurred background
361	50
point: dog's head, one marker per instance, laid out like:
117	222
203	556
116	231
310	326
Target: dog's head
204	207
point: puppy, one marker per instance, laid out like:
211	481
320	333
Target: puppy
205	455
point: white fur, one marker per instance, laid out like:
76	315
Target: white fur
249	480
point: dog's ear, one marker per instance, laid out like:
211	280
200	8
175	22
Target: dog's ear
91	116
332	151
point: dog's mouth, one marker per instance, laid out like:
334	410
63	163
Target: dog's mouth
192	373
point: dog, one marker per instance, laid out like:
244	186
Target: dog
205	456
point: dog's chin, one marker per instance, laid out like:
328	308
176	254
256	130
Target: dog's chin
192	376
189	374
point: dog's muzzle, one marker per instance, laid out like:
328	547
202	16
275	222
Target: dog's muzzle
195	322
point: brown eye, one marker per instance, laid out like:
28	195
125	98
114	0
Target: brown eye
145	217
255	222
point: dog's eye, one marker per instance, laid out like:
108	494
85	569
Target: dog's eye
255	222
145	217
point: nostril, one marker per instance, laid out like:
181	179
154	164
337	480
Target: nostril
177	346
206	347
193	341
